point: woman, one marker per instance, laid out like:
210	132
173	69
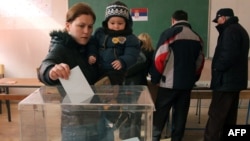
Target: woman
69	48
137	75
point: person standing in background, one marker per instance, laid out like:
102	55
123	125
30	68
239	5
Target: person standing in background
178	62
69	48
229	73
137	74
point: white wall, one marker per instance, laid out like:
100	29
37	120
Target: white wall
240	8
24	33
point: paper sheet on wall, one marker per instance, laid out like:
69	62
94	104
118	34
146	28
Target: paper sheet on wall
77	87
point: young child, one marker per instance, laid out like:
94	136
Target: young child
119	49
118	46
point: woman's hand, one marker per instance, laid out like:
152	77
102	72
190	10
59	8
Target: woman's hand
59	71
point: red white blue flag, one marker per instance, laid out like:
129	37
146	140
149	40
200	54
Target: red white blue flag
139	14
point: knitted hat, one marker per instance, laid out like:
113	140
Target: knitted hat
117	8
223	12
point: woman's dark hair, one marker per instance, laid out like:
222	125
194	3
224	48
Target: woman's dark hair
78	9
180	15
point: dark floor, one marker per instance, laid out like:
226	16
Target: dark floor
195	129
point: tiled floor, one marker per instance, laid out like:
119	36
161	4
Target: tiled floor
9	131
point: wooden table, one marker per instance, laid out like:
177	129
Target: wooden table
6	83
202	91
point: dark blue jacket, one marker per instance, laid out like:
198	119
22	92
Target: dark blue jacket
179	58
230	60
111	49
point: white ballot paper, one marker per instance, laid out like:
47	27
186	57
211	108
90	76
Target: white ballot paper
77	87
132	139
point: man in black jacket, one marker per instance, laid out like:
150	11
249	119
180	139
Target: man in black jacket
229	73
178	62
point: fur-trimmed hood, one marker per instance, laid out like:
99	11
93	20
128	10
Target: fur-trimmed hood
59	36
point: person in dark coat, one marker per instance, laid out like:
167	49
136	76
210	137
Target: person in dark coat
118	50
229	73
118	46
69	48
138	73
178	62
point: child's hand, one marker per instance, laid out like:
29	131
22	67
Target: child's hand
92	60
116	65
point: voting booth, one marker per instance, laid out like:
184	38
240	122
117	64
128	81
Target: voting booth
113	112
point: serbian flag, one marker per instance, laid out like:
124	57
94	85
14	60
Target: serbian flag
139	14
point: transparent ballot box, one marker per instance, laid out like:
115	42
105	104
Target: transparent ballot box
113	113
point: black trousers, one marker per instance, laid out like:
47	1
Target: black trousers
179	101
222	112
